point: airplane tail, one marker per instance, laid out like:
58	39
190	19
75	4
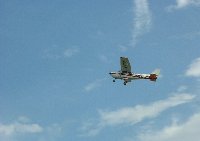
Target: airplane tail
154	75
156	72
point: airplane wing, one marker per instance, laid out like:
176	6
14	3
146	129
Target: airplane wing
125	65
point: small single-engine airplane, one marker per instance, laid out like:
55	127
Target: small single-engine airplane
126	74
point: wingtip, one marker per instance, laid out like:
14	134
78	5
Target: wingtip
123	57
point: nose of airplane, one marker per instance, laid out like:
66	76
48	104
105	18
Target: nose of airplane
110	73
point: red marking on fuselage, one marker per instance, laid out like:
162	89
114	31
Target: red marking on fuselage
153	77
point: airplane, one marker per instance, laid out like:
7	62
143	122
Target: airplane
126	74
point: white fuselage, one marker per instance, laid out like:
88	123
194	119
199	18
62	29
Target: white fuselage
131	76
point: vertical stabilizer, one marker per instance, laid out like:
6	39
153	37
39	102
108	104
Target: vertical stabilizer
156	71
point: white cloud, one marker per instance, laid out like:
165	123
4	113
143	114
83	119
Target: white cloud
182	88
142	20
188	131
93	85
123	48
138	113
194	68
57	52
88	128
19	128
23	119
23	128
69	52
183	3
133	115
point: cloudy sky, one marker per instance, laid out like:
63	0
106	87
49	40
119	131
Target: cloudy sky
55	57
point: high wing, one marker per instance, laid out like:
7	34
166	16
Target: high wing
125	65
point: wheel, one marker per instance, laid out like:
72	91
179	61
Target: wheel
124	83
114	80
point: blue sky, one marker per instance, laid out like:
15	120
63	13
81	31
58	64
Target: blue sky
55	57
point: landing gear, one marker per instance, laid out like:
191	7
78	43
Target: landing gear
124	83
114	80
